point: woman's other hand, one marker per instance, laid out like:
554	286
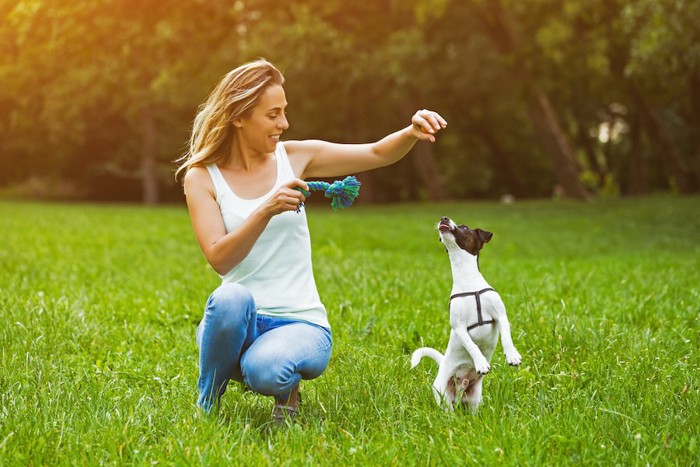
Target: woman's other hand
286	198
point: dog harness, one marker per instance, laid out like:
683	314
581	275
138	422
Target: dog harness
477	297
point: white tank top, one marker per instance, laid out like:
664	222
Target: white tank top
278	270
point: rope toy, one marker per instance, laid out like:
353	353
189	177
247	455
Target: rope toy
341	192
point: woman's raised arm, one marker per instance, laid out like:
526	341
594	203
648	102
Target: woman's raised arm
315	158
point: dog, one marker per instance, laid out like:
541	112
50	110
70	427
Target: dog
477	316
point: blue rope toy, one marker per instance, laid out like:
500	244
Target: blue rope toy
341	192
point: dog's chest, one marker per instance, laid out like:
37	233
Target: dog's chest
464	313
484	337
467	311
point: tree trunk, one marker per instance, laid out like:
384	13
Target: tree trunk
638	170
424	163
666	151
556	144
664	148
501	159
428	171
149	151
367	189
694	85
583	139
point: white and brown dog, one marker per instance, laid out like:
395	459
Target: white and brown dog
477	316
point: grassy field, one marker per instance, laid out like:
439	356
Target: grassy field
98	363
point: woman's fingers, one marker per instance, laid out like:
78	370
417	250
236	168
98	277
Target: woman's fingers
297	183
288	197
427	123
292	196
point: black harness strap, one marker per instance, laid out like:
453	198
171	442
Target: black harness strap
477	297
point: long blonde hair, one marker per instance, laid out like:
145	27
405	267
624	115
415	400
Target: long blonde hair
233	98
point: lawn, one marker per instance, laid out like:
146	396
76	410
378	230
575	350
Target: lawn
98	363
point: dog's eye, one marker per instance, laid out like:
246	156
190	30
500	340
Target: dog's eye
463	227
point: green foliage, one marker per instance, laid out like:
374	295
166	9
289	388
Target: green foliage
78	78
99	363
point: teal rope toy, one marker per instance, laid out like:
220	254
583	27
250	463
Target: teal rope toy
342	192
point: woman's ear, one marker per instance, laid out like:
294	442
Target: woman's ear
238	123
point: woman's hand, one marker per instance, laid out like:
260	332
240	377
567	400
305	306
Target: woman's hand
425	123
286	198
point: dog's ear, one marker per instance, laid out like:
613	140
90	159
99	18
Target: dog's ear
484	235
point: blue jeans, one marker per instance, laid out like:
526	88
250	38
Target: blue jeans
269	355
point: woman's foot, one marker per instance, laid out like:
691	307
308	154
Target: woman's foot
287	408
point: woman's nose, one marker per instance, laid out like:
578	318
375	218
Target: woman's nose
283	123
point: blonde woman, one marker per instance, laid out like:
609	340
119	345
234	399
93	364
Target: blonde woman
265	325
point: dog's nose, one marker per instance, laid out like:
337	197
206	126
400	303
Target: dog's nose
445	219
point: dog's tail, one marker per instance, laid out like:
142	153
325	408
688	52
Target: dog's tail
425	352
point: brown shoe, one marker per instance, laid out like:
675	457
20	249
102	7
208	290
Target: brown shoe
280	413
287	409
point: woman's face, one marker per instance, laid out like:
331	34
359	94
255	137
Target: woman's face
262	129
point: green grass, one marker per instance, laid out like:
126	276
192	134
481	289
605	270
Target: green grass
99	306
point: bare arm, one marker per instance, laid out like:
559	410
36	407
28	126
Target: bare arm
314	158
225	250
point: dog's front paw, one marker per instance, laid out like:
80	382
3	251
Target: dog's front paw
513	358
482	366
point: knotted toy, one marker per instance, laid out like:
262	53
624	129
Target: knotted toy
341	192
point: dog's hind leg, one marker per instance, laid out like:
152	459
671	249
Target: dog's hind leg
444	391
499	314
472	395
444	388
442	397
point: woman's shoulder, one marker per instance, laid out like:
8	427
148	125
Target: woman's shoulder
198	178
197	173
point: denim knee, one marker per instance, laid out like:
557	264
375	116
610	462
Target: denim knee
231	293
230	305
272	380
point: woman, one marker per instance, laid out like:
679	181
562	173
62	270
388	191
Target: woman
265	325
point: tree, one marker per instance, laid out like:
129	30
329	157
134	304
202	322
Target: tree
663	71
111	65
103	92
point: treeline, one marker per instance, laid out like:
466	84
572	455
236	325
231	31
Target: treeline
580	98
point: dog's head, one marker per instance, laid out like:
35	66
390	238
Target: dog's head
469	240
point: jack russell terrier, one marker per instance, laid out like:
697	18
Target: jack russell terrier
477	315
